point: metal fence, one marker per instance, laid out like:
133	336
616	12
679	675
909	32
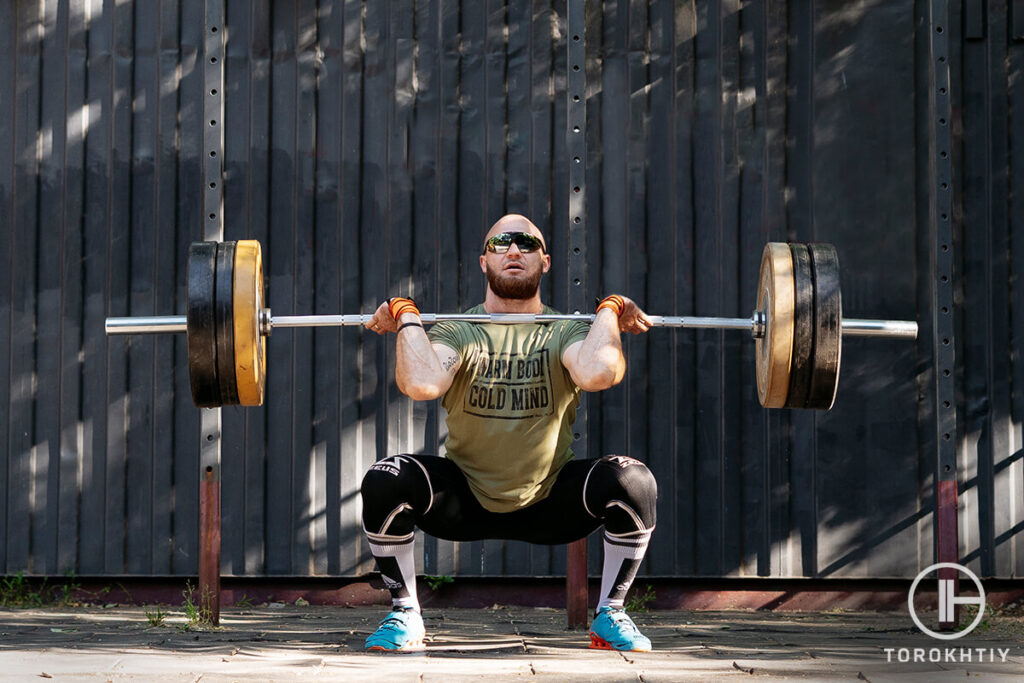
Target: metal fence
368	145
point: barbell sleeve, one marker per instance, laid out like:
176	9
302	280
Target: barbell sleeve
146	325
894	329
852	327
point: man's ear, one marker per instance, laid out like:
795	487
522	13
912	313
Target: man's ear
546	263
483	264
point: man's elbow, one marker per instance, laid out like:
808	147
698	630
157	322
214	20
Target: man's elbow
603	378
421	391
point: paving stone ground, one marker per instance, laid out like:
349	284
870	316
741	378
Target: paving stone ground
299	643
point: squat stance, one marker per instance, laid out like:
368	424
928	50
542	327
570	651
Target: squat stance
511	393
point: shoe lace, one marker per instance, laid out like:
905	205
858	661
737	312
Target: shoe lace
622	621
394	621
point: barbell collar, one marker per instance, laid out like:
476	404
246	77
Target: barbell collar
852	327
266	324
757	324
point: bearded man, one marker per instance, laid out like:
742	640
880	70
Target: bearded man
511	393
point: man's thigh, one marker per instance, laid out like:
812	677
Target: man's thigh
456	515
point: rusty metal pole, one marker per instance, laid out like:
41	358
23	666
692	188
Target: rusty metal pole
576	125
213	229
947	546
209	554
577	593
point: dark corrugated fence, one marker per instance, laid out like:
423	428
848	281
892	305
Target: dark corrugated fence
368	145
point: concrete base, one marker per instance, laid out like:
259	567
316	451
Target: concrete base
281	642
674	593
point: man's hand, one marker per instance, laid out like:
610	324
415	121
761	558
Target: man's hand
633	319
382	322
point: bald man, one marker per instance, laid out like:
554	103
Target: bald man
511	393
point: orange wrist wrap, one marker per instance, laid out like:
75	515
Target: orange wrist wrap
613	302
400	305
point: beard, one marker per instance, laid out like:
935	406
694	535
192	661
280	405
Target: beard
508	287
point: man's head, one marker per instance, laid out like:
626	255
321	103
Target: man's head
512	265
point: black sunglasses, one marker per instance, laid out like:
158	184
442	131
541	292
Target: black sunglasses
526	242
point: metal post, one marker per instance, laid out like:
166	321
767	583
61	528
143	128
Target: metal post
209	538
946	519
213	229
576	124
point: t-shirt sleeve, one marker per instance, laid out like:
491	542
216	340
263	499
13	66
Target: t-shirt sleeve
573	332
446	333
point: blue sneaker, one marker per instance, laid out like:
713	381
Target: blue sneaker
400	631
614	630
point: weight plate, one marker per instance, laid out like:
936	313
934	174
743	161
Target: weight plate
200	319
775	298
250	345
225	313
828	327
803	327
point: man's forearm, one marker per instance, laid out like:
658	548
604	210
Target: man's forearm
418	371
600	360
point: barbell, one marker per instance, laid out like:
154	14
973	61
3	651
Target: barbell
798	325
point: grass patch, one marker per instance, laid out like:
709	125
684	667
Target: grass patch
20	591
637	600
436	582
197	614
155	618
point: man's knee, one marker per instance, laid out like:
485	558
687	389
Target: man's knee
620	485
390	487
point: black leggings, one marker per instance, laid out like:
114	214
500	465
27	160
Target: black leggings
430	492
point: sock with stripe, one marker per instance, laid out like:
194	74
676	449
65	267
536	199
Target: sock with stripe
623	555
396	562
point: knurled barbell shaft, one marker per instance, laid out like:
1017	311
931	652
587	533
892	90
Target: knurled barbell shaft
852	327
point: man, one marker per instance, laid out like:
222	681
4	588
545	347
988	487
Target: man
511	393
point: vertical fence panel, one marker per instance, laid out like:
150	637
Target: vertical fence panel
143	210
51	150
683	508
9	27
327	293
21	482
283	175
237	450
1013	460
95	399
188	209
71	292
661	207
430	142
357	446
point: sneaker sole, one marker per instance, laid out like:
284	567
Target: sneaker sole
599	643
417	645
411	647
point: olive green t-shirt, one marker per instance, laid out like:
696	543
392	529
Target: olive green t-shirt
510	407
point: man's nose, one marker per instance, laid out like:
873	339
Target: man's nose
514	249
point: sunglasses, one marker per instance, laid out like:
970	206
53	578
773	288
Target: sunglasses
526	242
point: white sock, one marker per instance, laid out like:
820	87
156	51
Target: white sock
397	557
622	557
